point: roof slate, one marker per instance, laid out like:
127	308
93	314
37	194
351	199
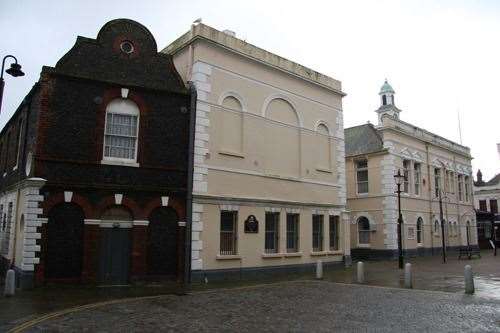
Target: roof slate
362	139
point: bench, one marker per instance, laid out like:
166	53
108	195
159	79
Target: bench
469	252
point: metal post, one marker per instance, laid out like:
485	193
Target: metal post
400	226
319	269
408	277
2	84
442	226
10	283
469	280
361	272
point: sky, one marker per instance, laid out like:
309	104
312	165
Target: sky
441	57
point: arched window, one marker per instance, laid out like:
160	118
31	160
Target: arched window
384	100
121	131
436	227
363	230
420	229
323	148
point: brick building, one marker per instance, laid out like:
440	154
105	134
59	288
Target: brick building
95	166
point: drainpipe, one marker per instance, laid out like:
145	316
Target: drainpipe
189	189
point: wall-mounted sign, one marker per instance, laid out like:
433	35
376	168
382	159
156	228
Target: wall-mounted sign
251	225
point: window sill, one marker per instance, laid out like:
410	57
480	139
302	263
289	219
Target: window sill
365	246
362	194
335	253
228	257
324	170
420	245
231	153
318	253
293	254
272	255
120	163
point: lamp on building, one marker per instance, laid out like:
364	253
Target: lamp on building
14	70
399	178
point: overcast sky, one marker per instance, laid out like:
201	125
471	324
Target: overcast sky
441	57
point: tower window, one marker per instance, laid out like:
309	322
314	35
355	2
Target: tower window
384	100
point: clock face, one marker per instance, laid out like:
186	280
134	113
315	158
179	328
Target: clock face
29	163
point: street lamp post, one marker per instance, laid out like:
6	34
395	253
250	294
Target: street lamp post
14	70
399	178
442	226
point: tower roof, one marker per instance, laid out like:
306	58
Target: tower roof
386	88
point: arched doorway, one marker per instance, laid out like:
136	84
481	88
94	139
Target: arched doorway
63	256
116	223
162	242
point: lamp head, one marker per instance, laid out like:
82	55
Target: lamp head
15	70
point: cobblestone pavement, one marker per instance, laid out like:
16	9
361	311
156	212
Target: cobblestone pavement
300	306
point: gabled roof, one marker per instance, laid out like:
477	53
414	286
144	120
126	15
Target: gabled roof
493	181
362	139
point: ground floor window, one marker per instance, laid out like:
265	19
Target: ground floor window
317	233
228	232
334	233
363	230
272	232
420	228
292	233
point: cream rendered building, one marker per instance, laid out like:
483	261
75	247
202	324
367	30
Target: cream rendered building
269	148
432	164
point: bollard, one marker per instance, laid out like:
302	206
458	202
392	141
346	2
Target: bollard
361	272
10	283
408	277
469	280
319	270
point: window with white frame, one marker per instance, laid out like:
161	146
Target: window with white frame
417	177
420	229
460	187
362	176
121	131
406	174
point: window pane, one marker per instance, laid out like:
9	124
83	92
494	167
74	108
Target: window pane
228	232
292	233
271	232
317	233
334	233
120	136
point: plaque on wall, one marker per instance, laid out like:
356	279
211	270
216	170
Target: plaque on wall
251	225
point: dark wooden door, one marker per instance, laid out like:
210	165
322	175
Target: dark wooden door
64	242
115	256
162	242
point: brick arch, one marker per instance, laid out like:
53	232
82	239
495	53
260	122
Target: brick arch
130	204
176	203
57	198
107	96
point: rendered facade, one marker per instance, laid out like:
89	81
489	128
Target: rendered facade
95	166
434	167
269	182
486	198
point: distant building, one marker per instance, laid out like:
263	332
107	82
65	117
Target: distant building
433	166
269	182
486	198
94	166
